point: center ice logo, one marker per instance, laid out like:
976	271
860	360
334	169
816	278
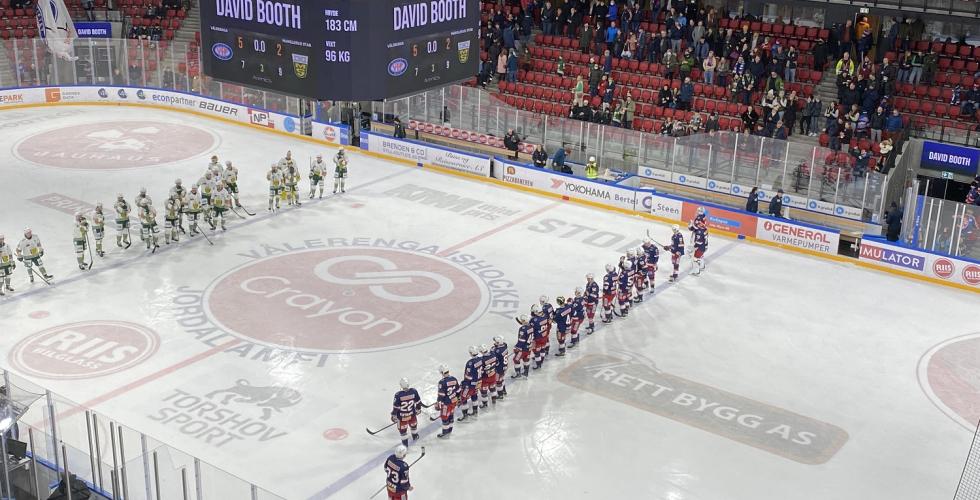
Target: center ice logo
346	299
114	145
949	374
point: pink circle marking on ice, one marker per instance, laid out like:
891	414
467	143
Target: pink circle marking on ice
952	378
345	299
39	314
115	145
84	350
335	434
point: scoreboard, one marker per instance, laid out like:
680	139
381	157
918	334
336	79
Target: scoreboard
345	50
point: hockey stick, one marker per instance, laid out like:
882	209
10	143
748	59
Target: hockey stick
205	234
369	431
39	275
240	216
91	259
246	210
129	237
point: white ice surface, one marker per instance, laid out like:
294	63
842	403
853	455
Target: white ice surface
830	341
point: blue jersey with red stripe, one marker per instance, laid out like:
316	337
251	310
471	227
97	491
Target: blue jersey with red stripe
523	337
563	315
396	471
407	403
640	263
473	371
489	364
653	253
701	239
677	244
700	222
539	325
500	351
592	292
626	278
609	283
578	307
448	390
548	310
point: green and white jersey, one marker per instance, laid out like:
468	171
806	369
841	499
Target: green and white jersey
122	211
193	203
141	199
215	167
221	199
340	168
206	186
171	209
318	169
6	257
230	175
98	221
275	178
81	230
30	248
148	217
286	163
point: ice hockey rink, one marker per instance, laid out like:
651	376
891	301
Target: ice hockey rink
772	375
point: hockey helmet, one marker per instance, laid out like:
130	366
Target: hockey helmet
228	163
560	300
675	228
401	451
98	207
178	181
474	351
497	340
27	232
610	268
543	299
647	241
700	210
142	190
404	383
484	349
578	291
319	157
589	277
592	158
119	196
193	187
629	253
444	369
535	310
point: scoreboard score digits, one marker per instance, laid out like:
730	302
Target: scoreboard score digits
341	49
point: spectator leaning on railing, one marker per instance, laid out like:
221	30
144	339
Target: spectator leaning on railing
512	142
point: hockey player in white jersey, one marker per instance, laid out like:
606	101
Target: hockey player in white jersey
215	166
7	266
220	204
276	194
149	230
340	171
192	205
230	178
98	229
290	178
171	218
142	197
122	221
30	251
178	191
80	239
318	170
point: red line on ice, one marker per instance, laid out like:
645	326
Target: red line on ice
497	229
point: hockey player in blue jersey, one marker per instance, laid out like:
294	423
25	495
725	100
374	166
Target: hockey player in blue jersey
699	236
539	330
563	320
405	410
488	383
522	348
639	274
396	475
472	374
591	300
700	221
446	401
499	349
625	287
578	316
548	311
676	249
609	286
652	258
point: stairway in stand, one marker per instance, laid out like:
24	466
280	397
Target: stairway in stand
827	90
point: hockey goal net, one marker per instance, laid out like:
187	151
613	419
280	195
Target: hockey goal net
969	485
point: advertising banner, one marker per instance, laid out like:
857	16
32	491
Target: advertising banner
334	133
566	185
919	262
93	29
423	154
798	235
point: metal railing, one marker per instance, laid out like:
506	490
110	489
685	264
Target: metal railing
127	62
63	435
944	226
811	172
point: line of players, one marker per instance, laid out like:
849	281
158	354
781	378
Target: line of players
284	178
485	372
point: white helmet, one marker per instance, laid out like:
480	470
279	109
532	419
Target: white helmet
98	206
178	181
404	383
142	190
543	299
535	309
629	253
401	451
119	196
484	349
444	369
497	340
27	231
675	228
610	268
228	163
590	276
474	351
647	241
522	319
319	156
578	291
340	150
592	158
700	210
639	251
